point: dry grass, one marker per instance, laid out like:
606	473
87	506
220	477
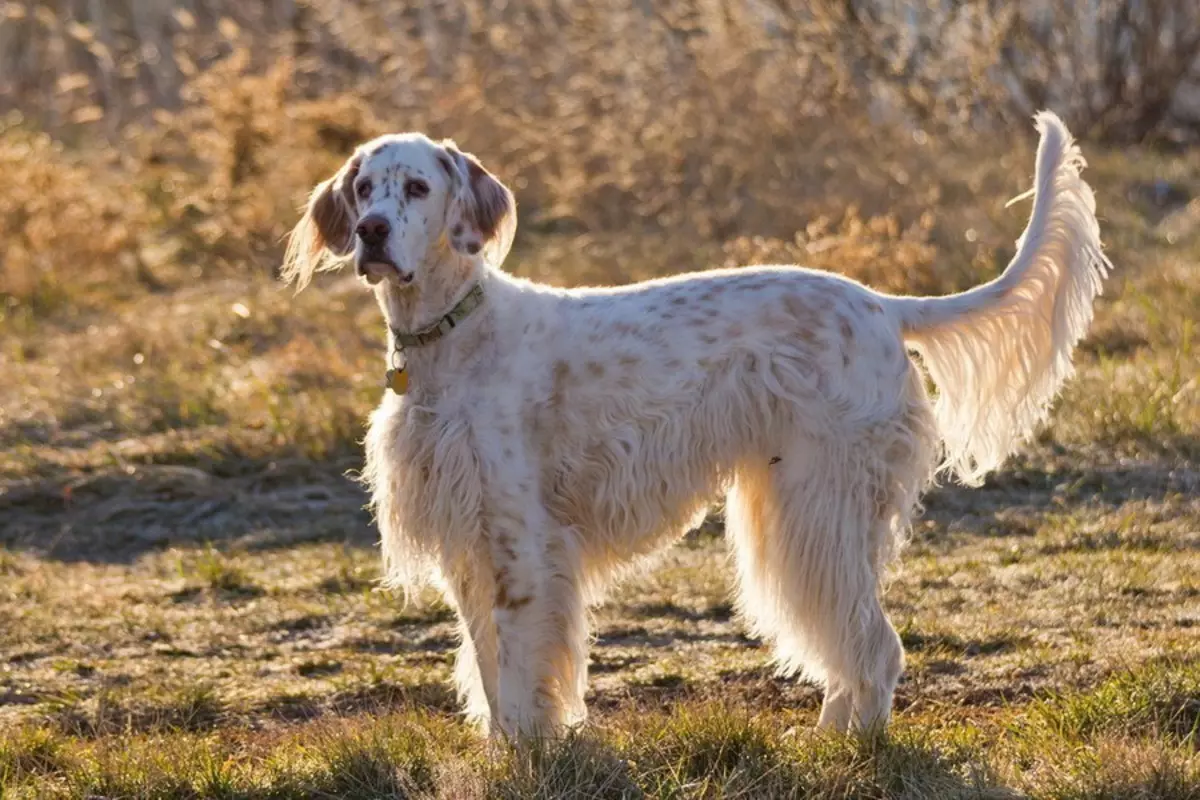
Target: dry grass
188	603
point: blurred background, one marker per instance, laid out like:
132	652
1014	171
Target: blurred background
156	154
189	600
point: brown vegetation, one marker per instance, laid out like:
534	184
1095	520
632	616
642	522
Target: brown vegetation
187	602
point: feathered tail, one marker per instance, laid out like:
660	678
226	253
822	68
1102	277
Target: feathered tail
1000	352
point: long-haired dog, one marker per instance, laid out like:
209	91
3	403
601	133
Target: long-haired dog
538	442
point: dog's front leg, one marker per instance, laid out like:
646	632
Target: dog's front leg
476	672
521	616
529	633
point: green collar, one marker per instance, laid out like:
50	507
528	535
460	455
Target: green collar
431	333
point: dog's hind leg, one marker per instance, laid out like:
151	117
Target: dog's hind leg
775	589
812	535
783	585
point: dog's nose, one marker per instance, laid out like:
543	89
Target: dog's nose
373	229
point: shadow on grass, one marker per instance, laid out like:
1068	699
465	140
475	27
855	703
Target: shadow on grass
200	709
720	612
116	516
916	641
1042	490
193	709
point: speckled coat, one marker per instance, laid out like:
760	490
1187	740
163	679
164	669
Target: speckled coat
556	438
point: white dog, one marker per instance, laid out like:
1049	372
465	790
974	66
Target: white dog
538	442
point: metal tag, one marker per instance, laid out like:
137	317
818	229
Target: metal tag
397	380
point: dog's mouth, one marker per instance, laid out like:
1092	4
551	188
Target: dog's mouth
376	267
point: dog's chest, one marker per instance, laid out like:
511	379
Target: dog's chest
438	484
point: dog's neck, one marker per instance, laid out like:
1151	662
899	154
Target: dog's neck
438	286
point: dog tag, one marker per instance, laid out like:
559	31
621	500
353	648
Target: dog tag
397	380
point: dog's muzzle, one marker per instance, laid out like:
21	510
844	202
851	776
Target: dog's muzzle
375	266
373	262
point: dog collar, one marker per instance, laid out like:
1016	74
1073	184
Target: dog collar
397	377
431	333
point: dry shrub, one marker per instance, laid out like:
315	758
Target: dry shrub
230	169
682	126
58	224
164	149
876	251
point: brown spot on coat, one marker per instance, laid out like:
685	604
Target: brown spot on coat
505	545
562	376
796	306
504	599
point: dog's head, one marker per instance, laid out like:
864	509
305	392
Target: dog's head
399	204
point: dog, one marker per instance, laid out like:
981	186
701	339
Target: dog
538	443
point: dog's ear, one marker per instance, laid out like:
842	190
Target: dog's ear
483	212
325	234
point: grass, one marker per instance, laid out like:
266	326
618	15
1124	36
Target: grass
191	610
219	572
189	585
713	748
1069	672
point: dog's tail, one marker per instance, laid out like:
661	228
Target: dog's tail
999	353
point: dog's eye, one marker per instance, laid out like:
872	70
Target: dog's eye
415	189
364	189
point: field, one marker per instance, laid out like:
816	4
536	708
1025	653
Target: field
189	603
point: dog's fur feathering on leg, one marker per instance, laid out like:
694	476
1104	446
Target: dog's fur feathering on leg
551	439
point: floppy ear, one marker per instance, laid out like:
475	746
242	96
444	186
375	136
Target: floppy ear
483	212
325	234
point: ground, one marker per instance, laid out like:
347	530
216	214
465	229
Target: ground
189	603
